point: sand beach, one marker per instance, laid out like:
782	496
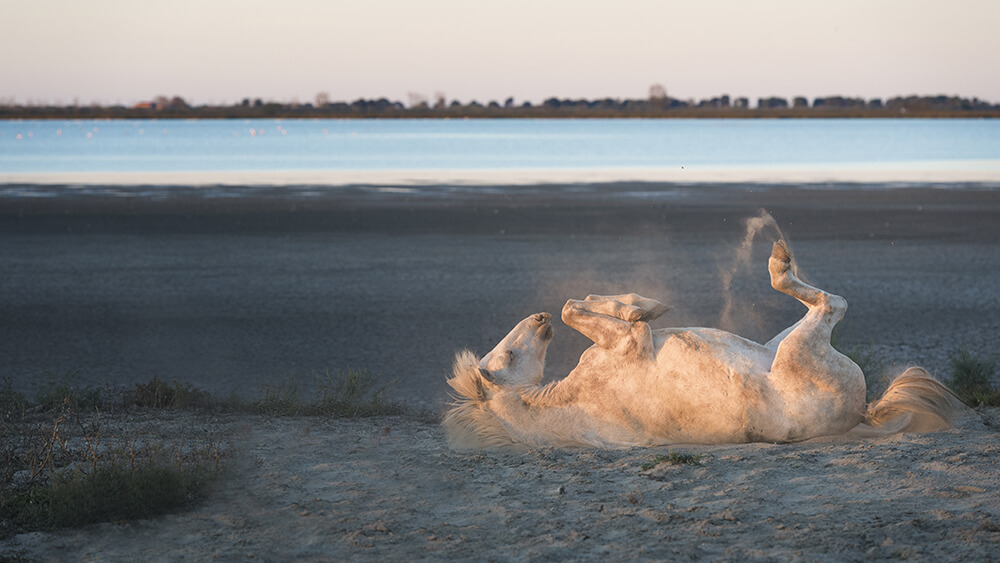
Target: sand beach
390	489
229	289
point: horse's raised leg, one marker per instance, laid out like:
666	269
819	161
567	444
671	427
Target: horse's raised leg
804	357
779	265
610	324
825	309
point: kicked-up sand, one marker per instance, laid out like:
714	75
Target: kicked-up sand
230	289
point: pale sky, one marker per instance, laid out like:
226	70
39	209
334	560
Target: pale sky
220	51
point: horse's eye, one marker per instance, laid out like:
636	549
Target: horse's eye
510	355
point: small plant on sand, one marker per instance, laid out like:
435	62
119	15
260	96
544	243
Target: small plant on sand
62	389
278	400
972	379
672	458
64	469
349	393
60	466
352	393
12	403
158	394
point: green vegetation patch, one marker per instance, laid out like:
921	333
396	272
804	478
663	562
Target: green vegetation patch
61	465
672	458
347	393
972	379
68	468
159	394
59	389
109	494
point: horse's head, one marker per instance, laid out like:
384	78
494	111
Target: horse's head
519	358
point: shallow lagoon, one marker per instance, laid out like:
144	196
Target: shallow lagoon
498	150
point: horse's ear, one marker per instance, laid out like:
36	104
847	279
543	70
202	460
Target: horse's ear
488	375
486	381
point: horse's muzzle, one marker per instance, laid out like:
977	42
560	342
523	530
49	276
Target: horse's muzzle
544	321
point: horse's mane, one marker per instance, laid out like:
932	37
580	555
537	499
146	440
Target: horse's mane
468	423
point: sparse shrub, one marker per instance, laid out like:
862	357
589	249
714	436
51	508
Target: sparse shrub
61	389
12	403
109	494
158	394
278	400
58	467
350	393
68	474
672	458
972	379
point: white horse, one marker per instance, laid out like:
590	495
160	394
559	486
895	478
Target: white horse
643	387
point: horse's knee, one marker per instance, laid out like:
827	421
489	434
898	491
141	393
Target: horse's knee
571	307
830	305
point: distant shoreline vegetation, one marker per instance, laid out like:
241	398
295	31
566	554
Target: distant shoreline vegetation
656	106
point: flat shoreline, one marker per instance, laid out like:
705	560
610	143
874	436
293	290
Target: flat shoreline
955	211
924	172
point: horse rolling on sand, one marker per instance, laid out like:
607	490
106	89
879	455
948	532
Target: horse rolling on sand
642	387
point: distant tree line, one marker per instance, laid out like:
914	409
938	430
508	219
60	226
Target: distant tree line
658	104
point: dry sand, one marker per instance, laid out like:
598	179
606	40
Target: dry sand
228	293
390	489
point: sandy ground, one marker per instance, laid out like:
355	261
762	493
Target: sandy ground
390	489
231	293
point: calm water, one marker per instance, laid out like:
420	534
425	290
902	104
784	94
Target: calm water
28	147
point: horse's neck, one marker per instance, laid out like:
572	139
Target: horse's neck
554	416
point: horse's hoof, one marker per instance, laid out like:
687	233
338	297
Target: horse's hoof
780	251
780	266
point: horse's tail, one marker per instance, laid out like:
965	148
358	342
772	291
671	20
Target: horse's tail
914	402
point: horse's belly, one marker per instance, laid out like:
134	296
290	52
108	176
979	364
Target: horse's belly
719	407
713	386
704	386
